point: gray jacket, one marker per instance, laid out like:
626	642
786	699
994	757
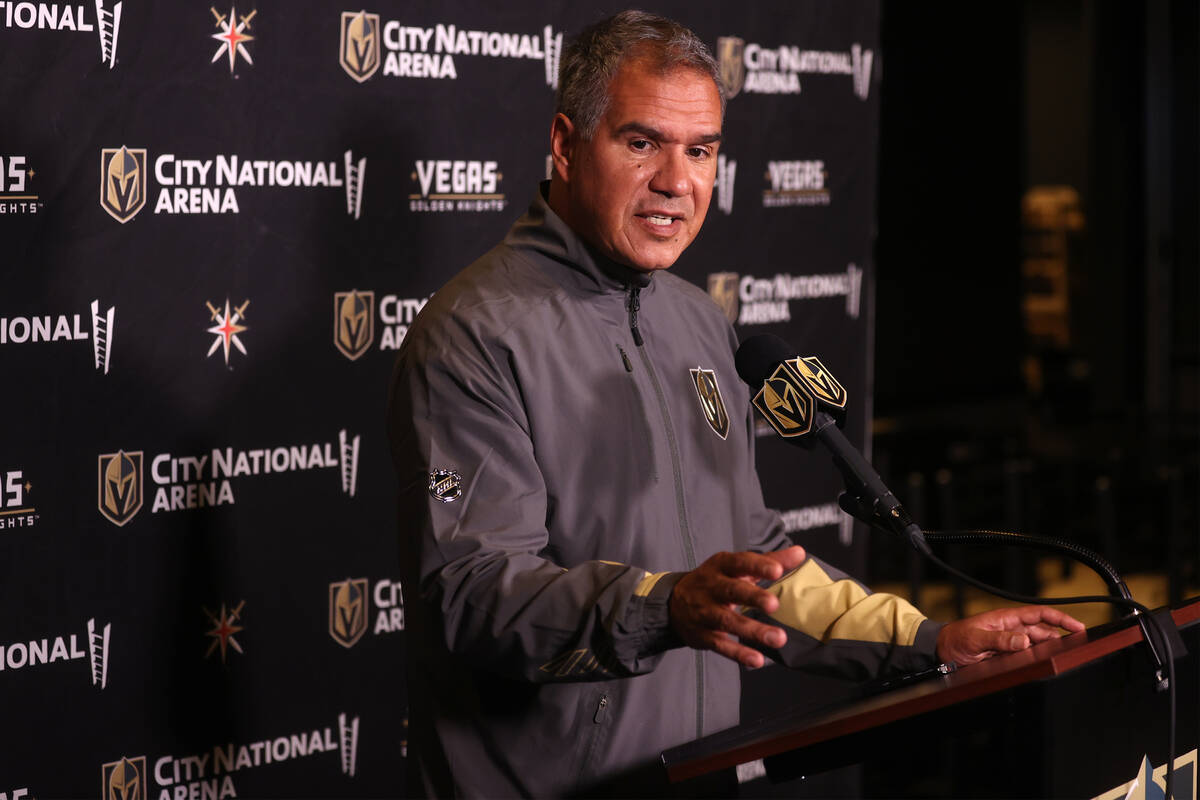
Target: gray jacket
570	437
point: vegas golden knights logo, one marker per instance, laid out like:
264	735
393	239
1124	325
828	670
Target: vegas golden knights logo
122	182
124	779
785	403
819	380
120	495
705	381
723	289
358	48
731	55
348	611
353	322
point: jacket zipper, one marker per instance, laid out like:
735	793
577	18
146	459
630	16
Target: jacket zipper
601	709
634	304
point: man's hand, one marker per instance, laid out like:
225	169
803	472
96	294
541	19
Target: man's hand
703	601
1003	630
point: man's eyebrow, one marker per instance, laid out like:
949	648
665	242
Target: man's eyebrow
651	132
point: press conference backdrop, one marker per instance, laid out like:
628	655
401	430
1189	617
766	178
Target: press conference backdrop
218	223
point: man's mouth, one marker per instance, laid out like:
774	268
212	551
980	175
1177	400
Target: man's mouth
660	220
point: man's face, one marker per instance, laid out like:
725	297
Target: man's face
639	190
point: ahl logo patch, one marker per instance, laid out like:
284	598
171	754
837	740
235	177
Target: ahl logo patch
711	403
445	485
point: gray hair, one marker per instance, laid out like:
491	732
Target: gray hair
592	59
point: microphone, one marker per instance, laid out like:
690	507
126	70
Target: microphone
805	404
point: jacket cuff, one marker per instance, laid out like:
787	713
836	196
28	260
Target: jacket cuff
657	633
925	642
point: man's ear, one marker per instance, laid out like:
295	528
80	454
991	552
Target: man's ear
562	145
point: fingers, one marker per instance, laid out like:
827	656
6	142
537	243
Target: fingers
755	565
789	558
1031	615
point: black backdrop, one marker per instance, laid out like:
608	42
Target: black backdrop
208	262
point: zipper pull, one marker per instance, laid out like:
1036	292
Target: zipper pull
600	707
634	304
625	359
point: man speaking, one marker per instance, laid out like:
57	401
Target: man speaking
579	512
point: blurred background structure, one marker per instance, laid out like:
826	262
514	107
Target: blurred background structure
1037	340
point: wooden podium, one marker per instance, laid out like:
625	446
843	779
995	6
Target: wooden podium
1066	718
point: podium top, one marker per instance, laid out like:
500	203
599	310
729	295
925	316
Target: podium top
786	732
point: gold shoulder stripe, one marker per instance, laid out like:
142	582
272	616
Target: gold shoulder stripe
824	609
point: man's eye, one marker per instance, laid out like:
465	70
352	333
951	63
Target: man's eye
640	145
698	152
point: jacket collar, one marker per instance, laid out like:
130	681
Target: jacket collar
543	231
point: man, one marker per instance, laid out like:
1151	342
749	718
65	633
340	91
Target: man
572	515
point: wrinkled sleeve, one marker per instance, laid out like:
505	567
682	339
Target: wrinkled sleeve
836	625
473	514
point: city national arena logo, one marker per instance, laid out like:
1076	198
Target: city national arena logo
749	300
67	17
64	327
209	774
795	183
416	52
214	185
349	613
120	491
723	185
187	483
754	69
456	185
65	647
16	190
16	508
227	327
224	627
354	314
233	36
122	182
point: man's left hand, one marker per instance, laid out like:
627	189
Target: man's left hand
1003	630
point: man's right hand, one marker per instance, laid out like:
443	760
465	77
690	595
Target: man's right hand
703	603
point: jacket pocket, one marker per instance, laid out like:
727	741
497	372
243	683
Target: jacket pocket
595	729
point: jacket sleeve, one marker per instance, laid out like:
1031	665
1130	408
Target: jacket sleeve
835	624
473	511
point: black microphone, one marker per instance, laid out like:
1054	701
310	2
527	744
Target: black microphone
800	398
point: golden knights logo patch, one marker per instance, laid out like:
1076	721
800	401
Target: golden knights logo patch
120	492
122	182
358	48
353	322
124	779
731	55
348	611
711	402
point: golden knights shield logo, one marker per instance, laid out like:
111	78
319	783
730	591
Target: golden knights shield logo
358	47
124	779
819	380
353	322
122	182
120	492
731	55
723	289
711	403
348	611
784	402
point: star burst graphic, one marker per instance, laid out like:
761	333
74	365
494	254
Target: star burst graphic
232	37
227	328
224	627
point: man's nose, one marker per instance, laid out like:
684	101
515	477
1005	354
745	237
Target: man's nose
671	176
